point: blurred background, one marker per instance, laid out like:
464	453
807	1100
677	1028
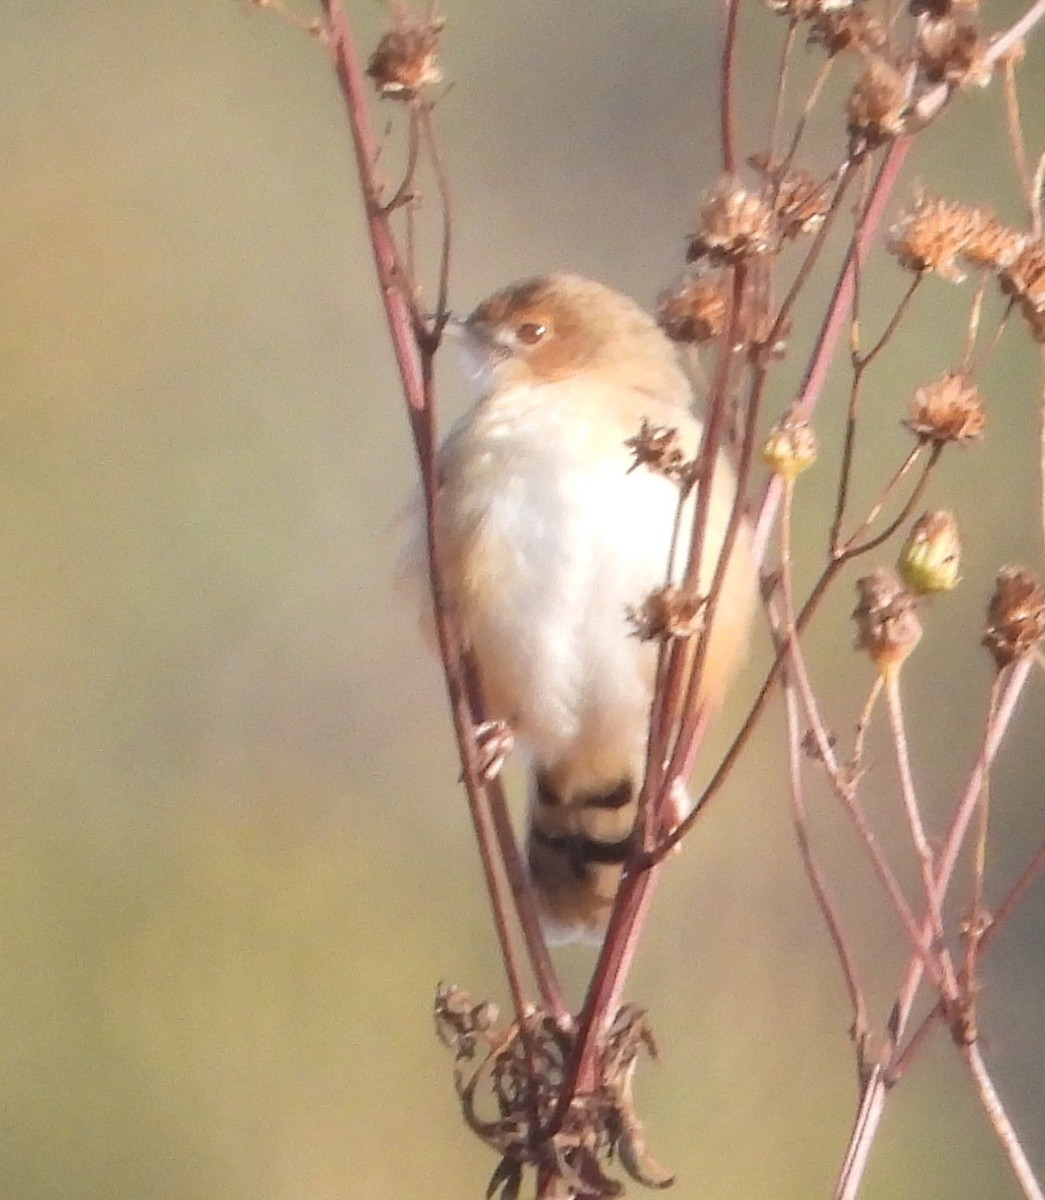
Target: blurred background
234	860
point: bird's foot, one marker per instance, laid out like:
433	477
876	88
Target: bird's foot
494	741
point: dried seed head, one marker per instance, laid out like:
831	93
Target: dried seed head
887	625
791	448
801	203
877	106
733	224
667	613
694	310
405	59
933	234
953	52
992	244
1024	280
855	29
1015	616
949	409
658	447
931	557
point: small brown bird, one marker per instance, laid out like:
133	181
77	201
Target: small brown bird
549	536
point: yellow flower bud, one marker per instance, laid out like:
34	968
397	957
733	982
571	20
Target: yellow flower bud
790	448
931	556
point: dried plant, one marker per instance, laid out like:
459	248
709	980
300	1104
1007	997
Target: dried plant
550	1090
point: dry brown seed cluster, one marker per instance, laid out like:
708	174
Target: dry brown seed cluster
1024	281
935	234
693	311
930	559
1015	616
855	29
992	244
733	224
932	235
877	107
887	624
405	59
802	203
950	409
659	448
668	613
953	51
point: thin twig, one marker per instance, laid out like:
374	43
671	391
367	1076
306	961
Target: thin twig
1014	127
731	14
1000	1123
817	884
898	728
781	89
872	1104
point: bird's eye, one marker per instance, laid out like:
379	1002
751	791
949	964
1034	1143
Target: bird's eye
531	332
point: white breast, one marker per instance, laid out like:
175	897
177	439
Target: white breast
549	539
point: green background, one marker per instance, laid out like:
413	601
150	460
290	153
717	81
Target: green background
234	861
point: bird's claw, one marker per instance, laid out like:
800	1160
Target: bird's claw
494	741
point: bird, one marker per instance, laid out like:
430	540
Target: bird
549	535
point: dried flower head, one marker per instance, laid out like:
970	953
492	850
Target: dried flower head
877	106
930	559
733	224
1024	280
854	29
949	409
405	59
659	448
802	202
887	624
993	245
933	234
790	448
694	310
1015	616
668	612
952	51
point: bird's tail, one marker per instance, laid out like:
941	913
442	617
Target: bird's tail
576	845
